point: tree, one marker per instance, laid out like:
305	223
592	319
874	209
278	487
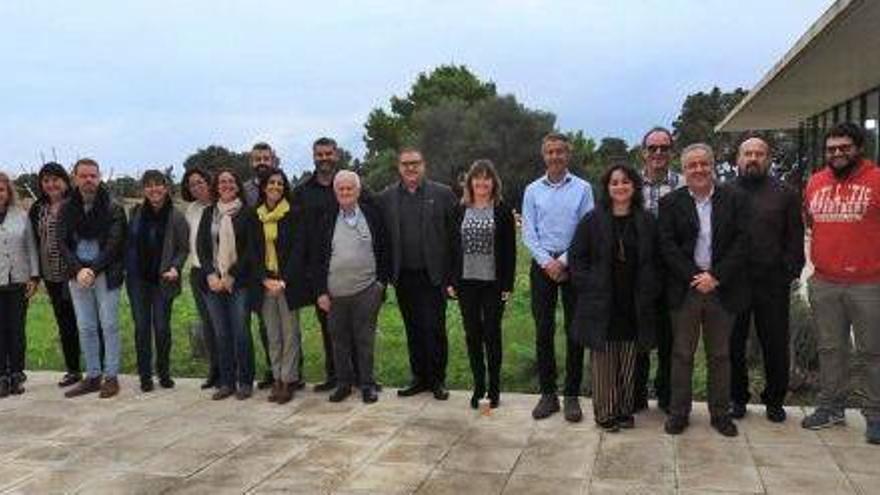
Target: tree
26	185
214	157
699	115
386	131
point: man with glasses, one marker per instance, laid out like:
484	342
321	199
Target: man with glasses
842	204
659	180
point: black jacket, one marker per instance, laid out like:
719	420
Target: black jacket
248	231
323	242
678	229
591	260
505	246
107	222
776	230
438	226
290	247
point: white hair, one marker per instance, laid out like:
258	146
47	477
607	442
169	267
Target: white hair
347	174
698	147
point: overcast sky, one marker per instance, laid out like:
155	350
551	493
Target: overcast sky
140	84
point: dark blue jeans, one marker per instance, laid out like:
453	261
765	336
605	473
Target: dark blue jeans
199	293
151	312
230	317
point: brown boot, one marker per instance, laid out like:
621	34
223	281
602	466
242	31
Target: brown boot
284	394
109	388
276	387
85	386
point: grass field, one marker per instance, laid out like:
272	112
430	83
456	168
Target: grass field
392	364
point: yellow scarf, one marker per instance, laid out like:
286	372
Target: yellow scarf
270	230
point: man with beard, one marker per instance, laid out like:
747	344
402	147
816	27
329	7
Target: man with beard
92	243
263	161
776	257
704	243
311	200
659	180
842	203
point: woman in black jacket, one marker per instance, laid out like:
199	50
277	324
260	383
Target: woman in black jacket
53	184
228	245
484	254
282	277
612	261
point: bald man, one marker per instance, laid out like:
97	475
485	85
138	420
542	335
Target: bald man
776	257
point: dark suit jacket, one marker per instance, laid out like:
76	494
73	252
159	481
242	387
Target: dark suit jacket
679	227
591	260
323	242
505	246
438	224
248	230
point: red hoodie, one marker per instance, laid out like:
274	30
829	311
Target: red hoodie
845	216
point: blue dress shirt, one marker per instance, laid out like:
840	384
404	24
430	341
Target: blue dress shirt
550	215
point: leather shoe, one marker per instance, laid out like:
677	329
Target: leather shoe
325	387
244	392
675	425
166	382
737	410
222	393
109	388
340	394
413	389
147	385
69	379
571	409
440	392
369	395
547	405
775	414
725	426
85	386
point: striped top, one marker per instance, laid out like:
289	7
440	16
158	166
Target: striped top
52	264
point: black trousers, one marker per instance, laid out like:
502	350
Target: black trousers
151	311
663	327
545	294
13	308
770	310
62	307
423	308
481	312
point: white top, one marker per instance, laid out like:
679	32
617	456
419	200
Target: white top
193	217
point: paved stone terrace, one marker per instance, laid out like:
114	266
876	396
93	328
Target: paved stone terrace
180	442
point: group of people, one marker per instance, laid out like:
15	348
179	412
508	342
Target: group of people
656	260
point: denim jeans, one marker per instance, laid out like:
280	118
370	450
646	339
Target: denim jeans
230	317
839	311
151	312
97	310
199	293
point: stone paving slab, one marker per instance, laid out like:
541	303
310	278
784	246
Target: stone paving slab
180	442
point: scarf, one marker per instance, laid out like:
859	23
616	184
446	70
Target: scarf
226	255
151	239
270	219
92	222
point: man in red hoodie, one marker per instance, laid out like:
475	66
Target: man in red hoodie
842	204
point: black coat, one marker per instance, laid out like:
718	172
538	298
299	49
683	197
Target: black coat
438	226
323	245
678	229
290	247
248	231
505	246
110	223
591	261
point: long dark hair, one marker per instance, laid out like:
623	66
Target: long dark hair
56	170
264	181
638	197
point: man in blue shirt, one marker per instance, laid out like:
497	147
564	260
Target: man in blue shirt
552	207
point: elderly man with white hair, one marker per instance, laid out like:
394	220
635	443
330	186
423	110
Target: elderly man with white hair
351	269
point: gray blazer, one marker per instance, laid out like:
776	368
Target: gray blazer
19	259
175	247
438	224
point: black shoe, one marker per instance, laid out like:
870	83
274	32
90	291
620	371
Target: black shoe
325	387
369	394
69	379
675	425
494	400
547	405
440	392
340	394
244	392
626	422
475	399
737	410
267	382
222	393
609	426
776	414
413	389
725	426
147	385
166	382
571	409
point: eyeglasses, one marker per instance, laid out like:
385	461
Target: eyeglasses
842	148
659	148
